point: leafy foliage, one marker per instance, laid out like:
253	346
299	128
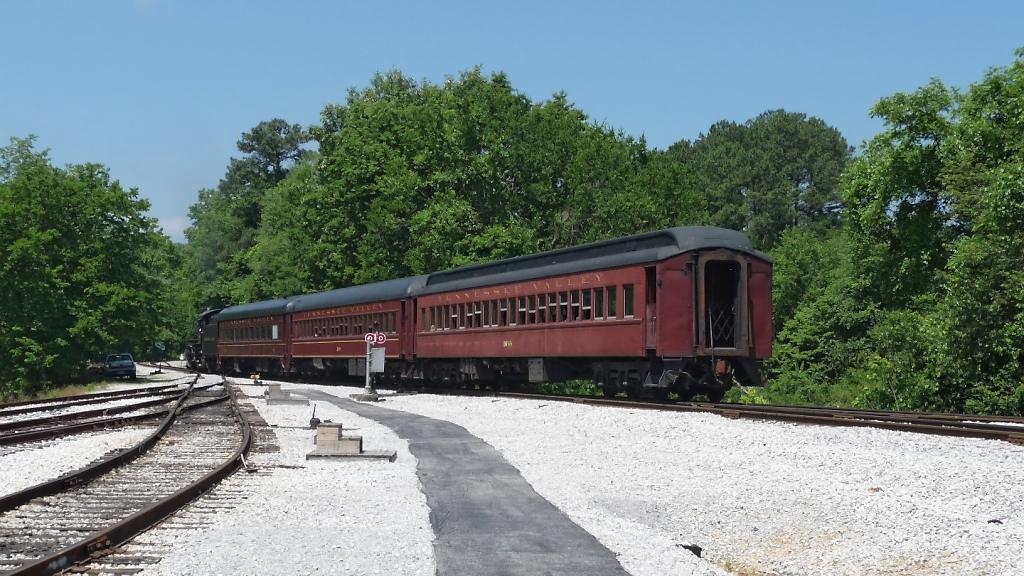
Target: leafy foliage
779	170
80	268
935	207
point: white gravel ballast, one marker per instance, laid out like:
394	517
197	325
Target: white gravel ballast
757	497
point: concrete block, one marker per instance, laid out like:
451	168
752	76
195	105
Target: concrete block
330	443
365	397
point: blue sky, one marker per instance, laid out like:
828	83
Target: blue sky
160	91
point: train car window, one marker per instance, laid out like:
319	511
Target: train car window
394	322
531	302
487	313
563	306
574	298
542	308
522	310
494	312
612	308
273	331
477	315
627	301
586	304
504	311
460	312
552	308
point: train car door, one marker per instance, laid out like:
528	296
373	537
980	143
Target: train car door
651	308
723	326
674	304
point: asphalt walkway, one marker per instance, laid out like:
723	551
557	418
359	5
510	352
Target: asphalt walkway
487	519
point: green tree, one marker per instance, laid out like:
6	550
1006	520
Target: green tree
417	177
226	220
73	269
900	212
776	171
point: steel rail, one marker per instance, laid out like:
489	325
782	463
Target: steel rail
959	425
100	543
100	467
81	415
27	406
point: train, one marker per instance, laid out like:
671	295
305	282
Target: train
684	311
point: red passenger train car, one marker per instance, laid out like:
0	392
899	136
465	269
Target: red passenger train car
684	310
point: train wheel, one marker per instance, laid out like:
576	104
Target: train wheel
608	391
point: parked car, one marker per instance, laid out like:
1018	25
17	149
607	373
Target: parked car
119	365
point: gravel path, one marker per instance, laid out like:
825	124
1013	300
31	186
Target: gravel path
757	497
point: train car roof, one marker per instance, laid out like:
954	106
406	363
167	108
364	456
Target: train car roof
635	249
378	292
253	310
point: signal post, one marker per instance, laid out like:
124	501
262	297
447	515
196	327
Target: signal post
374	364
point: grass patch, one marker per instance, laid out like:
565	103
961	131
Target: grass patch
57	393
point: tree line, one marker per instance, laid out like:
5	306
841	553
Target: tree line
898	279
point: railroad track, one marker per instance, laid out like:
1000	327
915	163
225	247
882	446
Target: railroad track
1009	429
10	409
86	514
54	421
